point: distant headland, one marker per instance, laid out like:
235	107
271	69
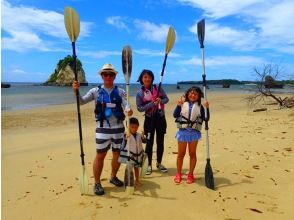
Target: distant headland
63	75
227	82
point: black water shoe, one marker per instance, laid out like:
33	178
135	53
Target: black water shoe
115	181
98	189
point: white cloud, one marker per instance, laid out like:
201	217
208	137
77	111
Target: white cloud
18	71
143	52
100	54
276	24
117	22
154	53
148	52
151	31
29	28
220	8
227	36
270	23
218	61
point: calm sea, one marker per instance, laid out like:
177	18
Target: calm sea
30	95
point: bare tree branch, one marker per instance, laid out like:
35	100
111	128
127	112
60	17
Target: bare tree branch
267	80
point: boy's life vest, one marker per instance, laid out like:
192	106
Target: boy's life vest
108	105
150	96
190	116
134	143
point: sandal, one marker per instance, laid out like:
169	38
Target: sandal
190	178
178	178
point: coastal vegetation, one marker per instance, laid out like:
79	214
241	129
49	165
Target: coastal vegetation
233	82
63	74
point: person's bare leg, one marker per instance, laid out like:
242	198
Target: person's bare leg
114	163
192	154
98	166
181	155
138	182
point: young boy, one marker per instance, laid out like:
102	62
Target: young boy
136	150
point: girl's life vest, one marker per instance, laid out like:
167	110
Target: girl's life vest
190	116
150	96
134	142
108	105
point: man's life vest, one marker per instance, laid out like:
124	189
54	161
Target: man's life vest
108	105
190	117
150	96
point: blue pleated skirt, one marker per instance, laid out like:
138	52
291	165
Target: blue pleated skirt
188	135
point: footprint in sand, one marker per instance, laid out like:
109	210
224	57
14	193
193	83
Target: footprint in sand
256	167
250	177
255	210
274	181
124	205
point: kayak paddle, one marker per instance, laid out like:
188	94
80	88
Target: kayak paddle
170	40
209	180
72	25
127	70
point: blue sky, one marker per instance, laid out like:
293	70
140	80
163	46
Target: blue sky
240	34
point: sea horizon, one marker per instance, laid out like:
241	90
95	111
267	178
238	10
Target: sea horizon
30	95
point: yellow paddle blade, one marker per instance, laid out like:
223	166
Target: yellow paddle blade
144	166
72	23
130	190
129	179
171	37
84	182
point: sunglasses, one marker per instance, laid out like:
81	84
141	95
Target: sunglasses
108	75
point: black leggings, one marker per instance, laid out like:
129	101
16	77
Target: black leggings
156	123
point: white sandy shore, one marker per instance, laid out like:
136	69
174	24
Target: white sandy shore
251	155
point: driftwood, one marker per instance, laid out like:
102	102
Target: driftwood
289	102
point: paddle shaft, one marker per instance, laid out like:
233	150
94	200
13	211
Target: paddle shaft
157	94
128	132
205	98
78	103
161	75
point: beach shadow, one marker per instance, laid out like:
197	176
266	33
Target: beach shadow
149	189
221	182
157	174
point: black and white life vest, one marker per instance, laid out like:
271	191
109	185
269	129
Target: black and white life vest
190	117
134	143
108	105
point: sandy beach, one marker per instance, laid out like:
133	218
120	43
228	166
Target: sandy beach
251	156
